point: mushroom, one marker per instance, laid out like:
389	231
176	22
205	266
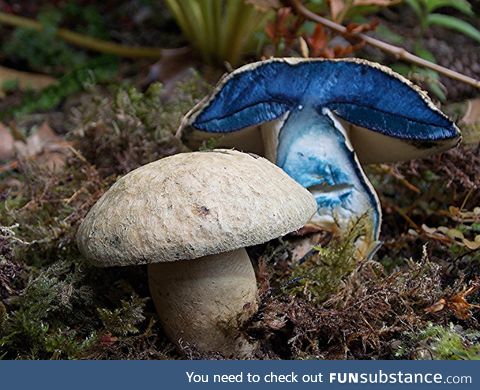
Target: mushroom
189	217
301	106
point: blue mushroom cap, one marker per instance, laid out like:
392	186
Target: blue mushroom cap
363	93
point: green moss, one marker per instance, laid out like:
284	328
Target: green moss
42	315
43	51
3	315
66	344
124	319
94	72
125	128
65	307
323	274
441	343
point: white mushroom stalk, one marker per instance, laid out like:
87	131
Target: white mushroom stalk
204	302
188	217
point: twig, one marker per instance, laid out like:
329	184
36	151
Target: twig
8	166
398	52
404	215
386	169
8	233
91	43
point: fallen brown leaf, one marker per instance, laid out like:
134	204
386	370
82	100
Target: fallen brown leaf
437	306
473	112
470	123
336	8
339	8
302	246
265	5
25	80
108	340
457	303
44	147
7	150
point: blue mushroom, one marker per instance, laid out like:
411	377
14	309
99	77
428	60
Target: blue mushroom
317	119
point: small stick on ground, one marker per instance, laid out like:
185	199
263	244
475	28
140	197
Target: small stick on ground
398	52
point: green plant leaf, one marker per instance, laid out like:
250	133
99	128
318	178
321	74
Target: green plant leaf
420	51
388	35
460	5
220	30
454	23
415	6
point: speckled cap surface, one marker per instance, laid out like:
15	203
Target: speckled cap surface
191	205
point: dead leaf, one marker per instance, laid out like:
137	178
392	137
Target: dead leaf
380	3
318	42
44	147
472	115
464	216
282	27
172	68
457	303
306	238
7	150
470	123
25	80
309	228
472	245
437	306
265	5
305	53
337	7
358	28
108	340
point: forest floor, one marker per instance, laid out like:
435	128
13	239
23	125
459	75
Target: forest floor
417	299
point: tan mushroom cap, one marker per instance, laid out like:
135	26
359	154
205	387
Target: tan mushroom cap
191	205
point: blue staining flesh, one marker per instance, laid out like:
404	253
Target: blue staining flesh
314	151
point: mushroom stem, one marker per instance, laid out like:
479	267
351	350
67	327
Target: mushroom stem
313	148
205	301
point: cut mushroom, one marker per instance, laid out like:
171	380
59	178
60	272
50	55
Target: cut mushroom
299	104
189	216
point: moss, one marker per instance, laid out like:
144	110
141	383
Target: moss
441	343
44	212
45	310
94	72
123	320
58	306
357	320
324	273
120	130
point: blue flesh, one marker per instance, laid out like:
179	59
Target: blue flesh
314	152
